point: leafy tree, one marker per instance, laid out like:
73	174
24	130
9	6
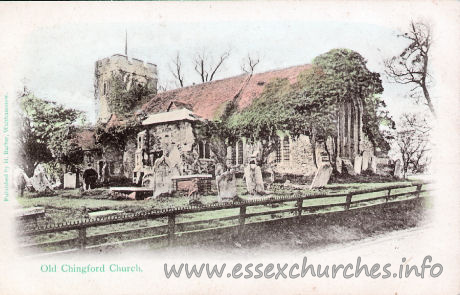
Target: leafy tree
264	117
219	137
375	115
46	132
345	77
311	105
125	95
117	134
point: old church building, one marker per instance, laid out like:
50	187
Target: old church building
169	119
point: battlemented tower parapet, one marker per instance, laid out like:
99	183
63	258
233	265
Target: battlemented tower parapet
130	70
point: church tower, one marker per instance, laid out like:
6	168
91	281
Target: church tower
132	72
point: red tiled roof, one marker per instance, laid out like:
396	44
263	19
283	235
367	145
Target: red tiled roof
208	98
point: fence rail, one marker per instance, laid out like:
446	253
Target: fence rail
167	233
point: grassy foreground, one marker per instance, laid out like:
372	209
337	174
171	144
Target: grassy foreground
66	205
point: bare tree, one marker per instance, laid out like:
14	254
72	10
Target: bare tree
249	64
204	65
176	70
411	66
413	143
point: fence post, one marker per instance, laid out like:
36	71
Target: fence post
241	221
299	208
388	196
348	202
171	229
82	238
419	188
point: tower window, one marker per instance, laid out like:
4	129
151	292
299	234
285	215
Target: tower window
105	88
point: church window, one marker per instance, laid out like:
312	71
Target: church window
203	150
234	154
112	167
240	152
286	149
278	150
207	152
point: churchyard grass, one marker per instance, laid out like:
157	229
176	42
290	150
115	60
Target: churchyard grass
68	205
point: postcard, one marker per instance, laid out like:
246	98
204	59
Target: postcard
230	147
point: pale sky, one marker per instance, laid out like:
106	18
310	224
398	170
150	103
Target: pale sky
59	60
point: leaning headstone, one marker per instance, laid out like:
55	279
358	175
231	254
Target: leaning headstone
322	176
366	159
374	164
162	182
346	163
70	180
398	169
358	164
254	180
226	186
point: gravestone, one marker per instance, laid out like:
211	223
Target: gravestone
366	159
40	181
162	183
70	180
338	163
20	180
322	176
271	177
358	164
346	163
226	186
398	169
254	180
374	164
218	169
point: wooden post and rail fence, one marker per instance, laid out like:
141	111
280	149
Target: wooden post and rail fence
169	230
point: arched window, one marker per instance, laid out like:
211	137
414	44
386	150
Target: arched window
207	152
200	150
286	149
240	152
105	88
204	150
234	154
278	150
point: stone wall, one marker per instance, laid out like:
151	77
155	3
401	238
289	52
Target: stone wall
295	156
176	141
128	158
